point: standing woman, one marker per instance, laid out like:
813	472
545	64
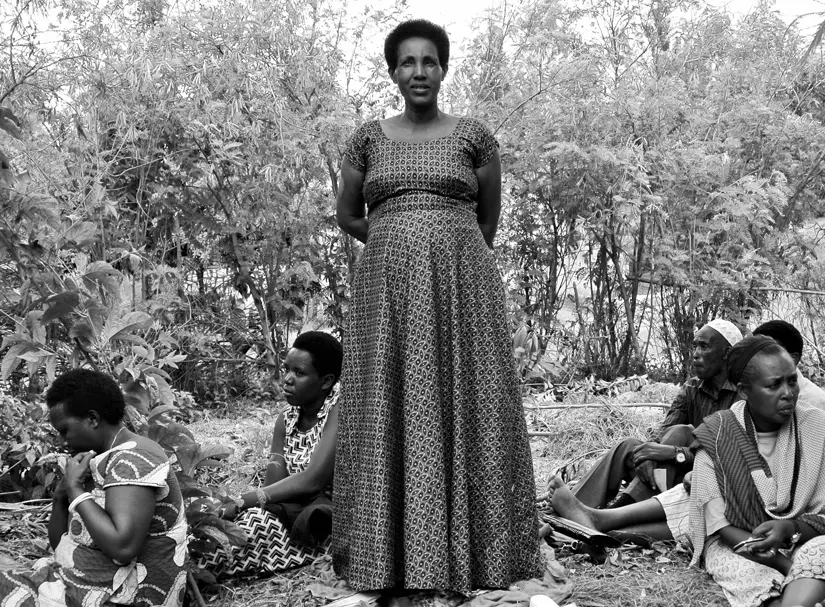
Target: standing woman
434	481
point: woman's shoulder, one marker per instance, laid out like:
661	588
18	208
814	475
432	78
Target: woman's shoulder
471	121
359	144
366	130
136	461
713	422
139	454
469	124
807	412
480	140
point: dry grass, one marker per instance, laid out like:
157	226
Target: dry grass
249	433
631	576
23	534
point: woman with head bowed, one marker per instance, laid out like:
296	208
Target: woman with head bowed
434	483
117	526
758	478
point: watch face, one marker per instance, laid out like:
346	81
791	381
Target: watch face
680	458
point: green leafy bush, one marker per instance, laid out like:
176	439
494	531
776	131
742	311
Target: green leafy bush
28	459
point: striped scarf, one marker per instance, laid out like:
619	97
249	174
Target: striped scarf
753	492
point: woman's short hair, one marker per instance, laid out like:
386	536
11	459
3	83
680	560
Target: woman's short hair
417	28
84	390
326	352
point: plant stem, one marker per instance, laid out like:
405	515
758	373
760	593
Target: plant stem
196	592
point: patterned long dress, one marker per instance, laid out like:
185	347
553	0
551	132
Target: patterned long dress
434	484
271	544
80	575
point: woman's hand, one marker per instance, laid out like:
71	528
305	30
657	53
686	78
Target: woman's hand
774	534
77	473
687	482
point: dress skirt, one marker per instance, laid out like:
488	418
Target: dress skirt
434	483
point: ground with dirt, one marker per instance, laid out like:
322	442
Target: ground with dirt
565	441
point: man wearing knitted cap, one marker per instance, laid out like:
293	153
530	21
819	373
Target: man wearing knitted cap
663	461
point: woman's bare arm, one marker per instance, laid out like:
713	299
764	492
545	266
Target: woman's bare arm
276	468
489	198
350	204
314	479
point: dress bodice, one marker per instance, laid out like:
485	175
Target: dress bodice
436	169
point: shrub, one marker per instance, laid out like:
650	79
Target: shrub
29	463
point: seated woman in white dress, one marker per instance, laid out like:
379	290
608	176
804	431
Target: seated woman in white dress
288	520
667	515
758	476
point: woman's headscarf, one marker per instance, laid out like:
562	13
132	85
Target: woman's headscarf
742	353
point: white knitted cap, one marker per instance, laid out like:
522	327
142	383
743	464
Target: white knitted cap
726	329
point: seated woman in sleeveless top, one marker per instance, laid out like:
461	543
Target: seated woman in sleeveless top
288	520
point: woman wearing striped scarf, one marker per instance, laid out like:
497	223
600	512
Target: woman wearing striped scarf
758	476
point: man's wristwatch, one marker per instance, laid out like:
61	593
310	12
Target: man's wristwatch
681	458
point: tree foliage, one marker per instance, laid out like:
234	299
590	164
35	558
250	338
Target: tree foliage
167	177
661	169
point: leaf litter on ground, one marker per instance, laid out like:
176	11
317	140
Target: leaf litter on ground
654	576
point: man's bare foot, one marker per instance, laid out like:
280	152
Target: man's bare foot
565	504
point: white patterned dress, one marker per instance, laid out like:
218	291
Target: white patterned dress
434	484
270	547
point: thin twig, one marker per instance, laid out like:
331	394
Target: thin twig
770	289
196	592
86	354
599	406
20	507
578	458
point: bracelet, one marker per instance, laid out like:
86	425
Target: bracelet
273	455
797	533
262	498
79	500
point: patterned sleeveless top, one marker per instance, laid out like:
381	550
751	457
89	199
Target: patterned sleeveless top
299	446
